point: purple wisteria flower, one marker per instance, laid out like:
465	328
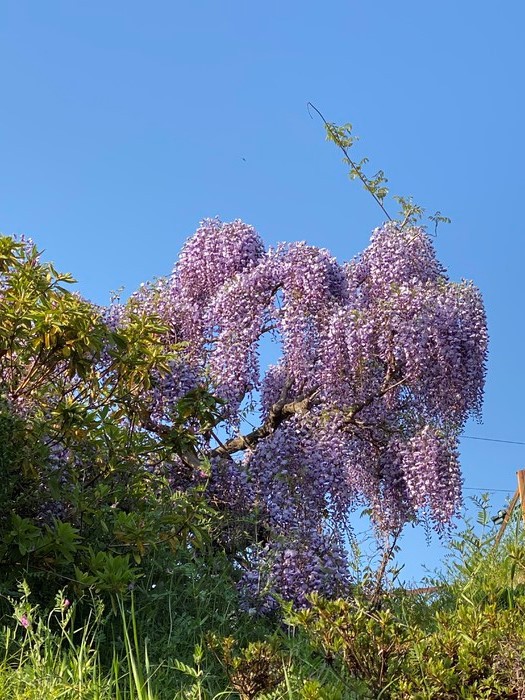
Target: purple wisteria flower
382	361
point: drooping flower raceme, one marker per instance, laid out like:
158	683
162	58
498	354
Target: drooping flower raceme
382	361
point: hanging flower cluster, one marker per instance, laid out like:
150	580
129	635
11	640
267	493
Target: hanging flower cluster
383	360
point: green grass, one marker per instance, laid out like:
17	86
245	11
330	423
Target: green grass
180	635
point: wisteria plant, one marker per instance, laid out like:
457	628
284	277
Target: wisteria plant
382	360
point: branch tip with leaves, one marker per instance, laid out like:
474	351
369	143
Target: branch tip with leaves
410	213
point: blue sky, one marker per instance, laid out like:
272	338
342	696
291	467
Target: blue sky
123	124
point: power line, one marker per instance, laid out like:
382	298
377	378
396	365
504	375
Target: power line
473	488
484	439
508	442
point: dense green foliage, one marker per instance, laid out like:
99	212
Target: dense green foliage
184	638
82	504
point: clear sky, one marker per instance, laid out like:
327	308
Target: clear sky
122	124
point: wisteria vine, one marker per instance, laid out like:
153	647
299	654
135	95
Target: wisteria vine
382	362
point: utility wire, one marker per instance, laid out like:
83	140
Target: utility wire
474	488
508	442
